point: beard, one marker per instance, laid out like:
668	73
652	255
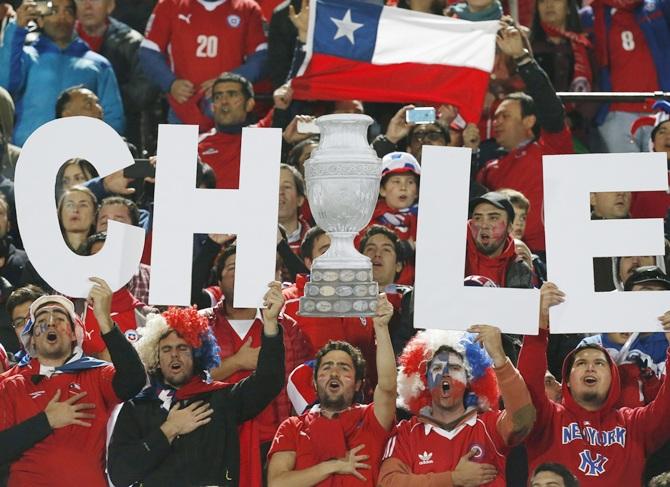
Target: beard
333	403
491	248
593	397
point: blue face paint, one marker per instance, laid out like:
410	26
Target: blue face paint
437	368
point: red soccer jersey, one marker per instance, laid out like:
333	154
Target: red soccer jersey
295	350
425	448
73	455
521	169
631	64
355	426
205	39
124	309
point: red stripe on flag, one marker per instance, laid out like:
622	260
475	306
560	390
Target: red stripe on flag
333	78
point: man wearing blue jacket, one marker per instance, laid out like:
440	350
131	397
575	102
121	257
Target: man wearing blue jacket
37	73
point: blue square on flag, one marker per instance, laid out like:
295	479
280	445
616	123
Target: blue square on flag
346	28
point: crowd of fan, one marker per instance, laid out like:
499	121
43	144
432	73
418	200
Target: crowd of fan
218	395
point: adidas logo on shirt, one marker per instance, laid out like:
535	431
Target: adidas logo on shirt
425	458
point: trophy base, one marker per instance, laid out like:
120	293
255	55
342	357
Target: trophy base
341	293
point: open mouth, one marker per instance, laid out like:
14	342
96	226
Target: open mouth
175	366
590	380
334	386
52	336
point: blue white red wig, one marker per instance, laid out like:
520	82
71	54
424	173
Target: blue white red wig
413	392
189	325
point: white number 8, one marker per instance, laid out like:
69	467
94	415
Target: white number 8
627	40
207	46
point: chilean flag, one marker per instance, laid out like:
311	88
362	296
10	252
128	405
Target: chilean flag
361	50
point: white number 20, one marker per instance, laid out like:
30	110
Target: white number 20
207	46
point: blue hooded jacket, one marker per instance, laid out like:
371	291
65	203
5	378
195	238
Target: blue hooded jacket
35	75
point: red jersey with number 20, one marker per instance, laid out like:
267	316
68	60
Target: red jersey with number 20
205	39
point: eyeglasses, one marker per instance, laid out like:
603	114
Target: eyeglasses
428	135
19	322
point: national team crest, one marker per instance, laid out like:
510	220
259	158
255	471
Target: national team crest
131	335
234	20
479	451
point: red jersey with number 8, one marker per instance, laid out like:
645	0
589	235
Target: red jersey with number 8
631	64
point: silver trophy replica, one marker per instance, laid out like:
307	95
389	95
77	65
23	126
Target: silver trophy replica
342	177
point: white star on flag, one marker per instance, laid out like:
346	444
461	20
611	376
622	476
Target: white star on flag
346	27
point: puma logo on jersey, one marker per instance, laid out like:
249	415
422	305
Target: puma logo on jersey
185	18
209	152
37	394
425	458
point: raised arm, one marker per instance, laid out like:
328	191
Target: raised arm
550	112
12	58
516	421
255	392
651	421
533	355
385	391
129	377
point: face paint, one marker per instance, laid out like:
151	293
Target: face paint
499	230
40	328
438	367
445	364
489	228
447	380
51	316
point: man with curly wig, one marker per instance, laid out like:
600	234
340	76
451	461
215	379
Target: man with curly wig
183	429
450	381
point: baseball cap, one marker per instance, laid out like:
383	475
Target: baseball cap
496	199
646	274
400	162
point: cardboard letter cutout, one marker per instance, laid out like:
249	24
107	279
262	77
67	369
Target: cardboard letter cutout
43	154
573	239
441	299
181	210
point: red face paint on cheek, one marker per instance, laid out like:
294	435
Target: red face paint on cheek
499	230
457	389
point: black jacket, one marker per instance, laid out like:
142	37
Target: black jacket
120	46
139	453
282	39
